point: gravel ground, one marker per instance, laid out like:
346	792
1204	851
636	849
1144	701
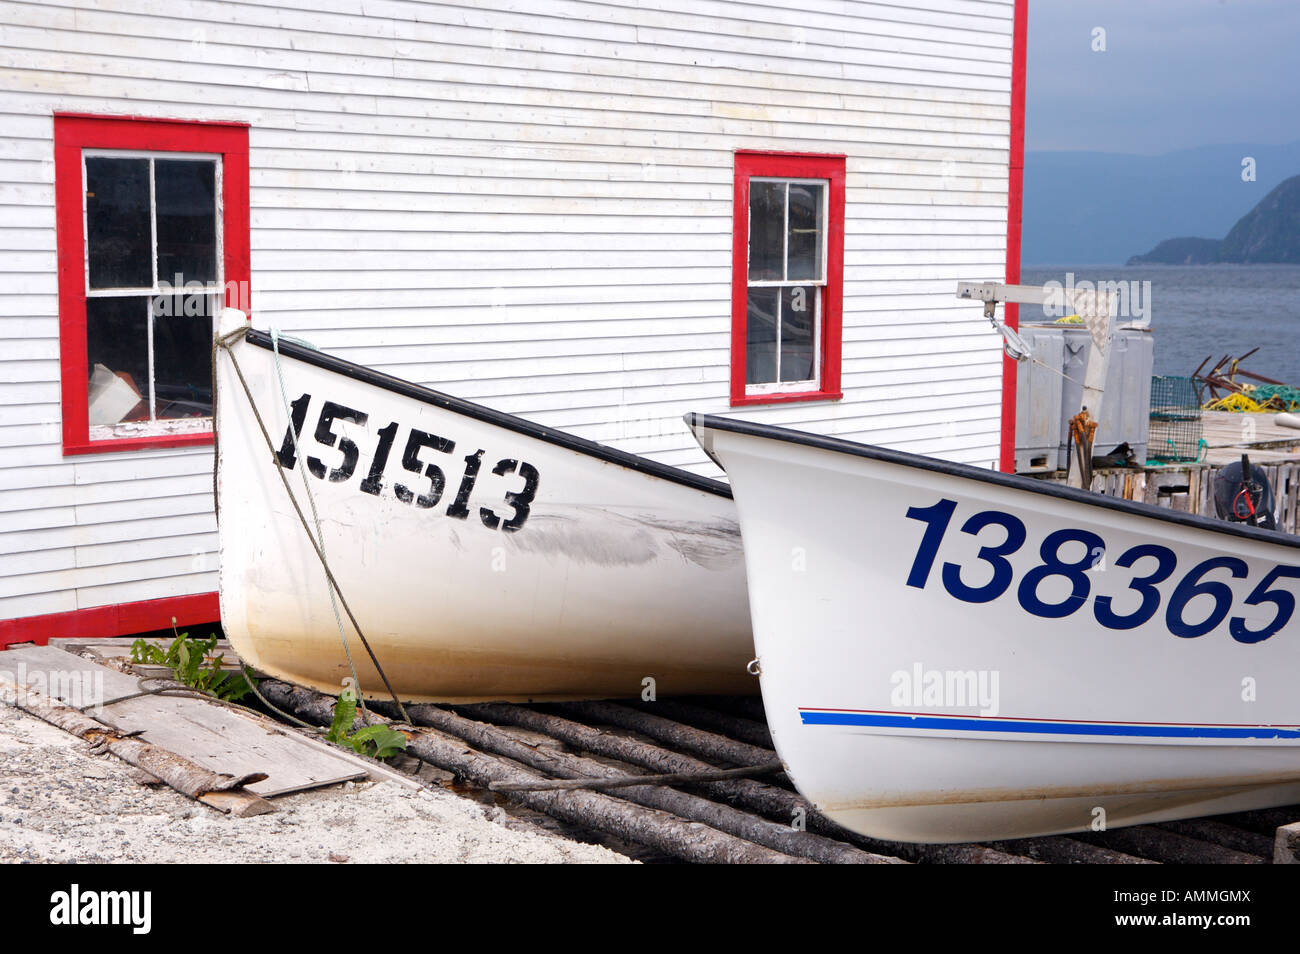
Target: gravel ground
59	803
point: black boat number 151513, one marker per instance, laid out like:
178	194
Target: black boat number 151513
426	495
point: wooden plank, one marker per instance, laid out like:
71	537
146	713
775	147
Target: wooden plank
1230	429
119	647
68	678
185	776
1222	456
223	740
213	736
242	803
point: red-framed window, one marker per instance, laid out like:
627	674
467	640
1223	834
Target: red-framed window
153	239
787	277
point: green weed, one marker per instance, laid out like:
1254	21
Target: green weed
376	741
188	660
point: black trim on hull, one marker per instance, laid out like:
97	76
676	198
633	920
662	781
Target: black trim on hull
1014	481
425	395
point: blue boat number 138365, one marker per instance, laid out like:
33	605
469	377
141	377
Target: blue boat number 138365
1151	563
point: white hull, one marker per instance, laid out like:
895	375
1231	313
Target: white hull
930	678
487	558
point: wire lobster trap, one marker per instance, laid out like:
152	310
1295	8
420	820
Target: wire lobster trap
1177	434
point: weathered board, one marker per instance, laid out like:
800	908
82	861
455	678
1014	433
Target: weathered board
67	678
223	740
210	735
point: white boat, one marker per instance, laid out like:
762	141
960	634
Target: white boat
952	654
484	557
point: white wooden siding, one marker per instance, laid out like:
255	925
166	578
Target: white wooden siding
527	204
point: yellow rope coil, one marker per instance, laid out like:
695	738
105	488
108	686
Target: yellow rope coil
1235	402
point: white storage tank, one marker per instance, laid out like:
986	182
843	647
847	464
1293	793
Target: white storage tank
1052	385
1126	405
1038	400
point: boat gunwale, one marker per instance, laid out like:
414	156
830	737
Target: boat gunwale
520	425
696	420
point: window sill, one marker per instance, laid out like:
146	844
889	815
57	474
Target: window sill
785	397
136	443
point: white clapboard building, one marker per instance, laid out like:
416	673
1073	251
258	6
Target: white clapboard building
597	215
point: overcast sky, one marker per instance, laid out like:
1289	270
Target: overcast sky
1174	74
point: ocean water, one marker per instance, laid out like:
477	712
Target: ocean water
1201	310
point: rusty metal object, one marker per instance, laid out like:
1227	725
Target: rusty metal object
1223	375
1082	431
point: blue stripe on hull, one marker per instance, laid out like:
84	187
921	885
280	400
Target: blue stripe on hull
951	723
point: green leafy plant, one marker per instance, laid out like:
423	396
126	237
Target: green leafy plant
188	659
376	741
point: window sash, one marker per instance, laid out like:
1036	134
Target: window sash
820	282
824	215
155	425
155	289
793	387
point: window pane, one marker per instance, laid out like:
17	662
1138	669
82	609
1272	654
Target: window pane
806	230
766	230
117	353
185	194
798	312
182	355
760	339
117	223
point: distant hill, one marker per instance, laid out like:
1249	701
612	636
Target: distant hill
1098	208
1180	251
1268	233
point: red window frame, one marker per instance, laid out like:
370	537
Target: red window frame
74	132
788	165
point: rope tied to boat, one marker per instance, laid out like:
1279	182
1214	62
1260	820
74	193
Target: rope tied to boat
223	343
319	539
